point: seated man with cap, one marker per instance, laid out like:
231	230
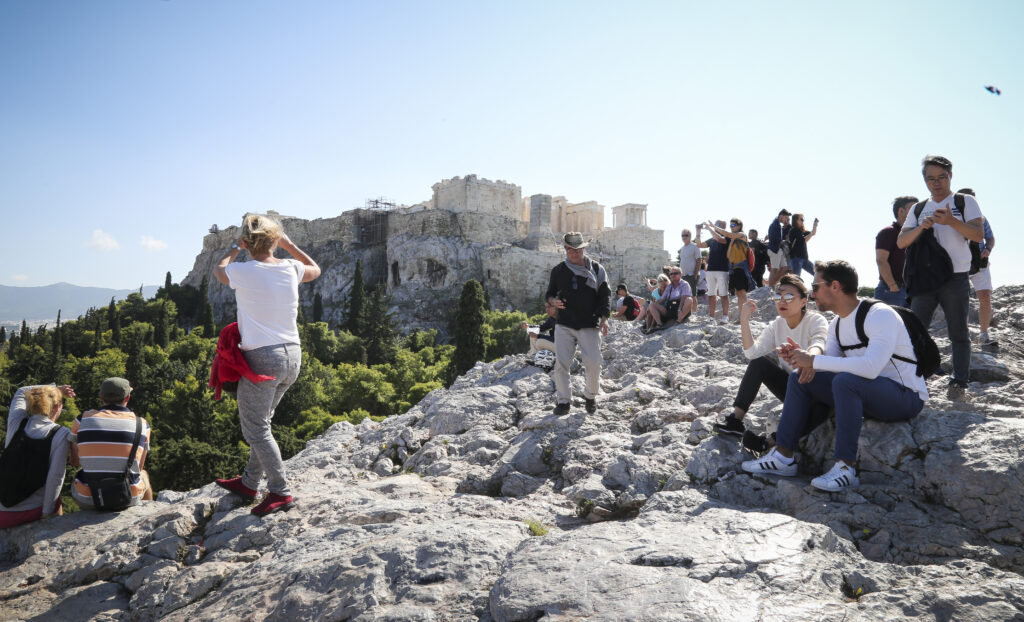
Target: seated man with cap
102	442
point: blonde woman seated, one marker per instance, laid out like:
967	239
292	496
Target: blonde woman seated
657	291
33	418
794	322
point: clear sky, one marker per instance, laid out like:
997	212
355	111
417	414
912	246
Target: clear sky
128	127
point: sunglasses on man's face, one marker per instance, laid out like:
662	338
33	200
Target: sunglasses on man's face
783	298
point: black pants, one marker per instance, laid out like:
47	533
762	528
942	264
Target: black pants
761	371
764	371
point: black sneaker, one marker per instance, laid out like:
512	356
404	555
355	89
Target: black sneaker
561	409
730	426
757	443
591	405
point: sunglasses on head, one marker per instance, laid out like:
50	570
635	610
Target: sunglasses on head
786	298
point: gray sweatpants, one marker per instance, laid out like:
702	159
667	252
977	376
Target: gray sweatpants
256	404
589	342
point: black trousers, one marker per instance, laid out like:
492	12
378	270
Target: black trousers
761	371
764	371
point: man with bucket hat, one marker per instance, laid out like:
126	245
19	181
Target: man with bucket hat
579	289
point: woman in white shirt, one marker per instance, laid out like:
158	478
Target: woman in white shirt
809	329
37	408
267	293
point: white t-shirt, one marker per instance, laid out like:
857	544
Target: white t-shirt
268	301
886	336
952	240
689	255
811	331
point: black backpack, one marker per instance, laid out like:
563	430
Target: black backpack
24	465
925	350
977	261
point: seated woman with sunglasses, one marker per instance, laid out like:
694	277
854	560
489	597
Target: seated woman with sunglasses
794	322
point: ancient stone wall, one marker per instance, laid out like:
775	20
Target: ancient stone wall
470	193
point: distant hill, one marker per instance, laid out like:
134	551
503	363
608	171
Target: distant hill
40	304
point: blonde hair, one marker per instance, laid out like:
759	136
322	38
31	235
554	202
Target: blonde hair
663	278
43	400
260	233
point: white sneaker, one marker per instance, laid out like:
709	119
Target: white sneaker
772	463
984	339
841	476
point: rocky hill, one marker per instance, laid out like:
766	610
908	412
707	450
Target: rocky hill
479	504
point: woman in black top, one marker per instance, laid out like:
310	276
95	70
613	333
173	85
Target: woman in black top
798	237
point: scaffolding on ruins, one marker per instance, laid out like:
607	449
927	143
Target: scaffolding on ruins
372	222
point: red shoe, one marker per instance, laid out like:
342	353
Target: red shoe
273	503
236	486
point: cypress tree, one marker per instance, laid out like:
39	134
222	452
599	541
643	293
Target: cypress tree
318	307
96	336
380	338
469	327
205	318
114	323
167	281
58	343
3	334
26	336
161	332
355	320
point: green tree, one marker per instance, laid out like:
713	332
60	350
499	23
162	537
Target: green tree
205	318
380	334
505	334
470	346
3	334
355	319
318	307
114	323
160	333
167	282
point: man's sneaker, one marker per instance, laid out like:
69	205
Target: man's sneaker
591	405
984	339
236	486
561	409
730	426
773	463
957	392
273	503
841	477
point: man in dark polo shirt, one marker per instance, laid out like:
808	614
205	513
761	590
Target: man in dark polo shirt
578	288
889	257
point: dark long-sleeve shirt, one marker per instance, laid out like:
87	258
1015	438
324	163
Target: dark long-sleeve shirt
584	307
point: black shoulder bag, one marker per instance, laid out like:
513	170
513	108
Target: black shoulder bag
114	494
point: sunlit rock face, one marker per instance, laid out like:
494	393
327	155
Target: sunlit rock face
479	504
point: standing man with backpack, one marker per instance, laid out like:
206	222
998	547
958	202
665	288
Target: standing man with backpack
954	220
870	368
982	279
778	263
110	443
579	289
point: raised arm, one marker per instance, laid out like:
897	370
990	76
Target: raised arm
312	269
220	270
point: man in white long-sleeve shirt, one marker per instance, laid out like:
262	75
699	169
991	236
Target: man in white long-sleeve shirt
879	381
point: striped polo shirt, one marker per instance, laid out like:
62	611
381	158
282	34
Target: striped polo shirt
104	439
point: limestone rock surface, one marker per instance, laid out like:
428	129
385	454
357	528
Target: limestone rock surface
480	504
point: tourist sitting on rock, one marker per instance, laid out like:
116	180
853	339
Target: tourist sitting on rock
627	308
879	380
35	455
542	337
674	303
110	444
795	322
657	287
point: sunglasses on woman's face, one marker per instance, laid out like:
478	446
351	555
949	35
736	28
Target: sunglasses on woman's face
786	298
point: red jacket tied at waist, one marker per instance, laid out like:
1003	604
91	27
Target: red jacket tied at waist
229	365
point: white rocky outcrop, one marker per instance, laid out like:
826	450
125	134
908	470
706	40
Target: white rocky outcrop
440	513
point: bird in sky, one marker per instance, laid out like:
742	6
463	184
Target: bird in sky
992	89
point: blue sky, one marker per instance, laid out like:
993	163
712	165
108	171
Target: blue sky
128	127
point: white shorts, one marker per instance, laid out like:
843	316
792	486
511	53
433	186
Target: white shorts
982	280
776	259
718	283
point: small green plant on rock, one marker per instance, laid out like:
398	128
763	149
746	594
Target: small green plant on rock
584	508
536	528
